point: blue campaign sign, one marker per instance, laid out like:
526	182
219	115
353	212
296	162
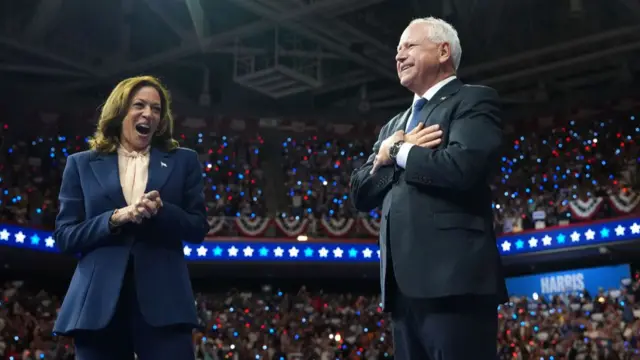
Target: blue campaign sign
571	281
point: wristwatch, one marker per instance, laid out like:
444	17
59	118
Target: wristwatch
394	149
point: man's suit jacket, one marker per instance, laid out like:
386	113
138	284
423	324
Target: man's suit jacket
436	213
89	194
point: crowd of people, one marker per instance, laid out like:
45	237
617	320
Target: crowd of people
31	173
234	180
584	159
540	172
271	324
318	172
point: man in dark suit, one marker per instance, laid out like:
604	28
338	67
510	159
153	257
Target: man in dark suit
430	170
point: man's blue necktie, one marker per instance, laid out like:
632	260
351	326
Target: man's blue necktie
415	113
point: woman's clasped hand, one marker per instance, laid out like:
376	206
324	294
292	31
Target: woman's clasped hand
145	207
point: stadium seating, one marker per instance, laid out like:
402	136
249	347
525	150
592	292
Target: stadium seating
270	324
584	170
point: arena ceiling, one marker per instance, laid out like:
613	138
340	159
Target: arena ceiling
329	54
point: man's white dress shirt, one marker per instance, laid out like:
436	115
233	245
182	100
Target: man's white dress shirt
403	153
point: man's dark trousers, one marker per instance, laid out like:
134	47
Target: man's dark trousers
450	328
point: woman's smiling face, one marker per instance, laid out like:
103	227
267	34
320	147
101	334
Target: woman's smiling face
142	119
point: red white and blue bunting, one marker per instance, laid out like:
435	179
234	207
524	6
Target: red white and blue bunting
585	209
624	202
216	224
370	225
252	226
292	227
337	227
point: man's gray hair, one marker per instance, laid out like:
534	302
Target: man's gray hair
440	32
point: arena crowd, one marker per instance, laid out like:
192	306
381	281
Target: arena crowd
540	175
273	325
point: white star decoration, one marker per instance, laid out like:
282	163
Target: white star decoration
49	242
202	251
248	251
575	236
506	246
590	234
233	251
278	252
323	252
293	252
186	250
509	243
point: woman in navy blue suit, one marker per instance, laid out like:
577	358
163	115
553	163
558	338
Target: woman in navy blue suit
126	205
